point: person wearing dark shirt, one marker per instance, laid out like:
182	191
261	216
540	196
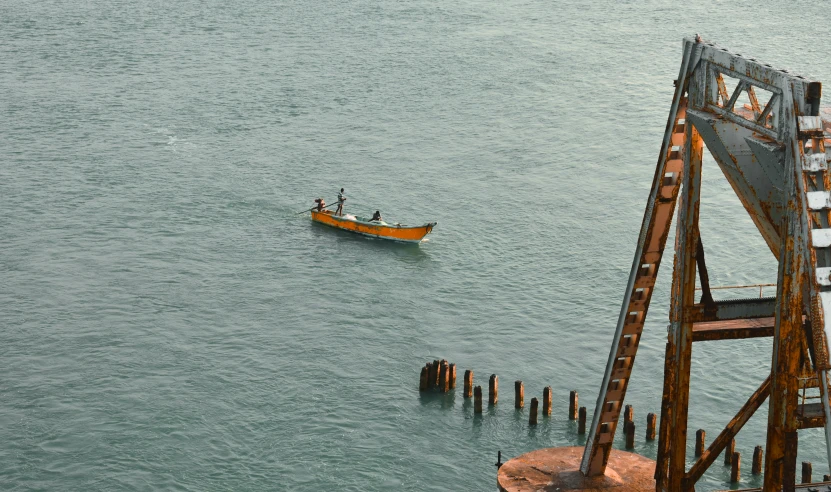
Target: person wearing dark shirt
376	216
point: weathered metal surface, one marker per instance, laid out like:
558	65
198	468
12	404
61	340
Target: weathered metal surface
726	436
772	152
733	329
732	309
683	296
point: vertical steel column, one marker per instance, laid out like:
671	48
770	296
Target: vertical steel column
683	296
782	425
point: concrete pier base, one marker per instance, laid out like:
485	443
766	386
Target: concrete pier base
558	469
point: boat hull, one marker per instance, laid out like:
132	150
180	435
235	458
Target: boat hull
406	234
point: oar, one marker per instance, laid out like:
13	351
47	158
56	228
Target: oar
327	206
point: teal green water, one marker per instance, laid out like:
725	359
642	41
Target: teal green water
167	320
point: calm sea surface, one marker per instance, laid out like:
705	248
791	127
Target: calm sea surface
169	322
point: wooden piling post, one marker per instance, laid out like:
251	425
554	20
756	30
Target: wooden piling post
468	383
651	421
532	418
477	400
493	390
519	394
629	430
444	377
572	405
546	400
628	415
434	373
581	421
422	382
807	471
758	457
452	376
729	450
700	436
736	468
826	478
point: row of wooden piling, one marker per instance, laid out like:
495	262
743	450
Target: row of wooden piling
441	375
438	374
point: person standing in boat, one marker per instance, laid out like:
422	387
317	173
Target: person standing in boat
341	199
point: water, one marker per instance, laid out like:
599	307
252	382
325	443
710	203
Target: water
169	321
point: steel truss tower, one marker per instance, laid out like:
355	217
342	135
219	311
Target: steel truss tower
762	127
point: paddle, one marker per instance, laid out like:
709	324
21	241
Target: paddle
327	206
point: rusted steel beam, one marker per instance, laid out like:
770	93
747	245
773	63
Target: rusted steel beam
661	460
706	296
733	309
733	329
782	423
810	416
683	294
727	435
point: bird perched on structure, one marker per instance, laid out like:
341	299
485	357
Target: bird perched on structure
697	38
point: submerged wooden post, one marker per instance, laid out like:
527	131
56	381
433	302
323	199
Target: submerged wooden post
581	421
700	436
452	376
493	390
532	418
572	405
444	377
736	468
807	471
519	394
546	400
468	383
434	373
729	450
628	415
629	430
651	421
758	456
477	400
422	382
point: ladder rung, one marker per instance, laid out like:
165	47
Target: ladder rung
818	200
644	281
675	152
674	166
821	238
809	126
614	395
814	162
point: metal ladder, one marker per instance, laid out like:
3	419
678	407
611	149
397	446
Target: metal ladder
660	209
816	186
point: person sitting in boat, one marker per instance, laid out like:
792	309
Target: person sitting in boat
320	204
341	199
376	216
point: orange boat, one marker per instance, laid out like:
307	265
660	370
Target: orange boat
374	228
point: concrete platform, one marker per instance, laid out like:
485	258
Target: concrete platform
558	469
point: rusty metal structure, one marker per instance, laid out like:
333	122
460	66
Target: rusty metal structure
762	127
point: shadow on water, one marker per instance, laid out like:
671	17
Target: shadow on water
404	251
433	397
